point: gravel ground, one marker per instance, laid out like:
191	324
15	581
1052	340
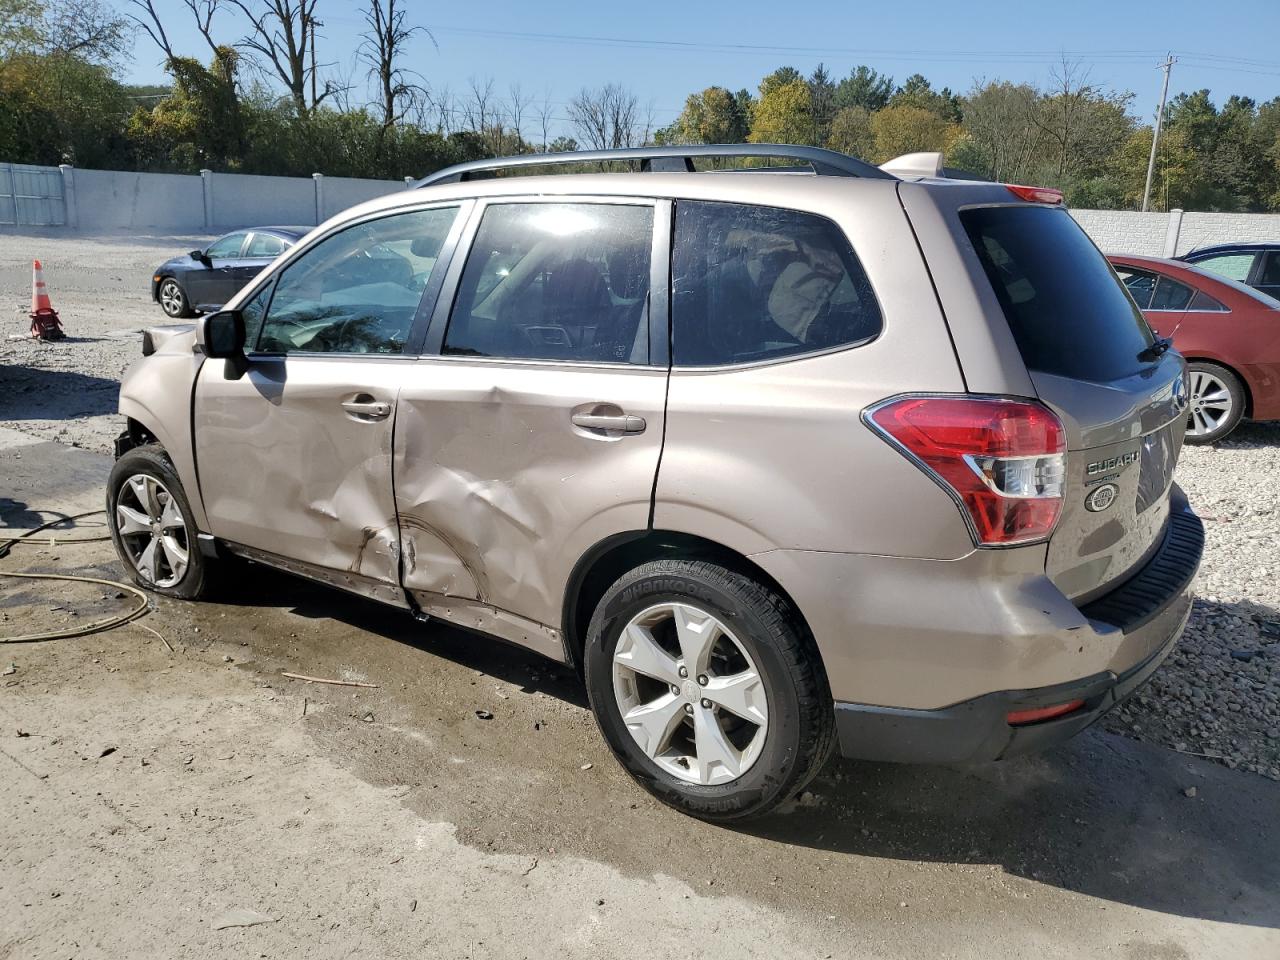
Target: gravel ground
100	286
1217	696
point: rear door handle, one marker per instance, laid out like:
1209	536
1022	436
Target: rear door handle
612	422
367	409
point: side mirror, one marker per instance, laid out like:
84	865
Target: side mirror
198	256
221	337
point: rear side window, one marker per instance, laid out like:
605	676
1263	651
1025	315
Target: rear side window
1171	295
265	245
1202	301
556	281
1068	313
1141	285
1271	271
757	283
1233	266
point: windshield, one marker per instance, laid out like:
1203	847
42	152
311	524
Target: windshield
1067	311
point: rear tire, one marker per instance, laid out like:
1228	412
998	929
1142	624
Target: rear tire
1217	402
173	299
152	526
728	708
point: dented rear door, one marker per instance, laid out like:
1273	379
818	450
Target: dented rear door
534	431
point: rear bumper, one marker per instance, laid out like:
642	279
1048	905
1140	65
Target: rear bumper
1150	609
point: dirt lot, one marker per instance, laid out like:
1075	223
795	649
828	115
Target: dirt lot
151	791
101	288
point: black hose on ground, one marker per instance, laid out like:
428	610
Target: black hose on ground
109	623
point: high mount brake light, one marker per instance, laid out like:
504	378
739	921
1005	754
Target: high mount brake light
1036	194
1003	460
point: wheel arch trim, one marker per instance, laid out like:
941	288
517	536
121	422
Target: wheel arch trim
600	566
141	421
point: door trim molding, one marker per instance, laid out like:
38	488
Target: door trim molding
342	579
480	617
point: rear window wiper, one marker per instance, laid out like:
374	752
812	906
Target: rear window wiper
1156	350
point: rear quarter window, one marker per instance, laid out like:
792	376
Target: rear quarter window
1068	313
752	283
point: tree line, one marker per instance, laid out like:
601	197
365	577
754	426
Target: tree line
1072	134
260	97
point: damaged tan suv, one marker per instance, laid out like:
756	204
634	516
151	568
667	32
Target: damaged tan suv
802	454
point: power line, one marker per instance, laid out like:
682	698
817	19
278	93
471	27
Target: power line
712	46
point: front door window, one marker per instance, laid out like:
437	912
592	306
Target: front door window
358	290
227	248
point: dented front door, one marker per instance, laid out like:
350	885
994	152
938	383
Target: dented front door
294	457
295	462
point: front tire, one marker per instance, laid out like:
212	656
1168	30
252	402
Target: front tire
1217	402
152	525
173	299
708	688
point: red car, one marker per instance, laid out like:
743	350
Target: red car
1229	333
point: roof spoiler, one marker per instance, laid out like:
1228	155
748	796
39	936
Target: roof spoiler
926	164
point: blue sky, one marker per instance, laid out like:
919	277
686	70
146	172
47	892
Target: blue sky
664	50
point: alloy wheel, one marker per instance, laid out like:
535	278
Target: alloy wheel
1211	404
152	530
689	694
171	298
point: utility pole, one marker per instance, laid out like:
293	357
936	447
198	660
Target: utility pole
1170	60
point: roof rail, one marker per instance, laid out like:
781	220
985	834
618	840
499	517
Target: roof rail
826	163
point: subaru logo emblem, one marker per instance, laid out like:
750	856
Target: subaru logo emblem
1101	497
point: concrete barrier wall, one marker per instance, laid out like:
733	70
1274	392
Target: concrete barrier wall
339	193
239	200
1174	233
1202	229
1124	231
106	200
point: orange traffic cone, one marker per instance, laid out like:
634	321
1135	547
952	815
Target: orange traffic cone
44	319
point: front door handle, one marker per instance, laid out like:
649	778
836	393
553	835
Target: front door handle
365	407
613	422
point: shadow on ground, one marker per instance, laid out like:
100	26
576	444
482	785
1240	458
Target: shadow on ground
1101	816
1253	434
34	393
16	515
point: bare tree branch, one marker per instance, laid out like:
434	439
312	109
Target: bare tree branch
606	118
284	33
152	25
203	11
517	103
544	118
382	49
87	29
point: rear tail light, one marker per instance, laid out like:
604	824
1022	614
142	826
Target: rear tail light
1017	718
1004	461
1036	194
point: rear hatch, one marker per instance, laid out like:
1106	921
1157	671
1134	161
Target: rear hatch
1089	356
